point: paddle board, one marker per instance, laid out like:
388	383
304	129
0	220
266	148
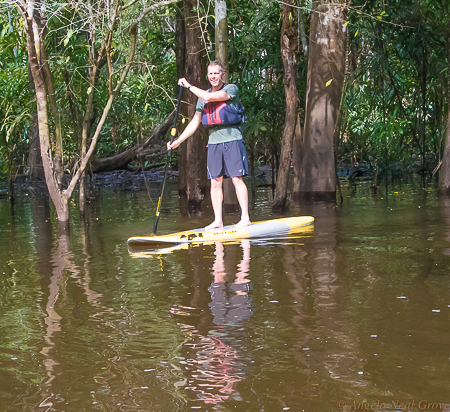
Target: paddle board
261	229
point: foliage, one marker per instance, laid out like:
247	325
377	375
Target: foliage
256	68
395	103
15	102
394	108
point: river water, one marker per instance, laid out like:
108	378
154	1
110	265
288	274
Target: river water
352	313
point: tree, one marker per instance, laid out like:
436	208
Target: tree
444	176
99	25
193	151
292	128
317	177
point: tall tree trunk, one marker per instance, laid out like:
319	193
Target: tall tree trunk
230	202
195	73
34	47
292	120
444	174
302	31
34	148
180	53
317	178
221	33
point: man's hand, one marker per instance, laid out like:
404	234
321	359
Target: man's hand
174	144
184	83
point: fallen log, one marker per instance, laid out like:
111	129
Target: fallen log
153	144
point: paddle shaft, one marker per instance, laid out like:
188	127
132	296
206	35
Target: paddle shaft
173	132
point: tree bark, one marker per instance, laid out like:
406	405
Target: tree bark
444	174
292	120
34	149
180	53
317	177
195	73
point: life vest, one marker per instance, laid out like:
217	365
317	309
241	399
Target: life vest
221	114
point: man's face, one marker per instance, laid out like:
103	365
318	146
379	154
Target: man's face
214	76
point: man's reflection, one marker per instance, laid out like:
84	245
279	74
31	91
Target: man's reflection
216	362
230	299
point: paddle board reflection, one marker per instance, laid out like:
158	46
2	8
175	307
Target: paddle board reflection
216	360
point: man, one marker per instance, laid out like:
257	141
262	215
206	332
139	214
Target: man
226	151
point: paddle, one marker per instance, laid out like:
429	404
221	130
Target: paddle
173	132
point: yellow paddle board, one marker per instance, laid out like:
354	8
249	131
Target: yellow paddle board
274	227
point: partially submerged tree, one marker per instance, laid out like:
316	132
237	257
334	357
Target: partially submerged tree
317	177
192	164
292	129
99	22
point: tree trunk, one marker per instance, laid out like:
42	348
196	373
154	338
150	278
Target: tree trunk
444	174
34	151
302	31
34	44
195	73
288	49
230	202
34	148
180	53
317	177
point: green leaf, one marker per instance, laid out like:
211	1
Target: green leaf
69	35
328	82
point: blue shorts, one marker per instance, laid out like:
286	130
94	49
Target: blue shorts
227	159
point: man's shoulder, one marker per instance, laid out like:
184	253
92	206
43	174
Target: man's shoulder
200	104
230	87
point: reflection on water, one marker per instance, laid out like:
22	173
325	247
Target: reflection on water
213	363
352	309
61	258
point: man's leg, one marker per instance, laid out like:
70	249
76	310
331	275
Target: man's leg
242	195
216	200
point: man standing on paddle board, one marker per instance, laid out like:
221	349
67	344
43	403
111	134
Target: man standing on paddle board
220	111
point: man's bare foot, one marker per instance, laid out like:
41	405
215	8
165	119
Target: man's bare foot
214	225
243	223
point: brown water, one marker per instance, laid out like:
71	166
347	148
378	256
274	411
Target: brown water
352	314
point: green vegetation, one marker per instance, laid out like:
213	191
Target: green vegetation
395	102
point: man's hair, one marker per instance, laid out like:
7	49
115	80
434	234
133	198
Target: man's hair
223	70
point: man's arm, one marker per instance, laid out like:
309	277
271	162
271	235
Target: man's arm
189	131
219	96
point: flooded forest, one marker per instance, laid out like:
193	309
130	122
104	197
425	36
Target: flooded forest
346	120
